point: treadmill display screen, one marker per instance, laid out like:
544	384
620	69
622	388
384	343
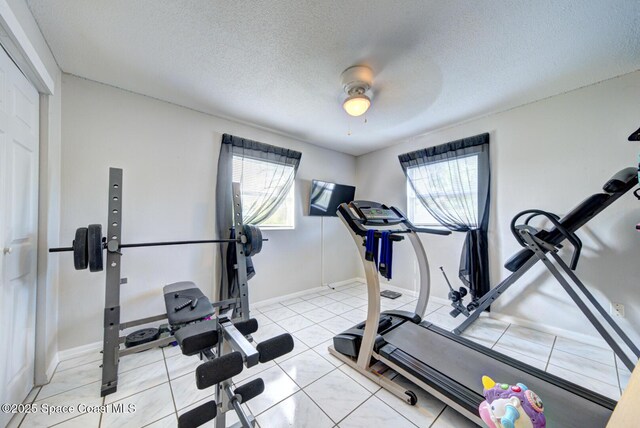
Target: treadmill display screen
379	214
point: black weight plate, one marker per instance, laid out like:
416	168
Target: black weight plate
139	337
248	247
257	244
254	240
80	251
94	247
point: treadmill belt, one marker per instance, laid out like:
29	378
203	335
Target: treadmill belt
565	404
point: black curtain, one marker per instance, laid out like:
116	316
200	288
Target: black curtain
286	165
452	182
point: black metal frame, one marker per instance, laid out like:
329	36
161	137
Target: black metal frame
111	337
485	301
229	337
408	347
112	340
569	282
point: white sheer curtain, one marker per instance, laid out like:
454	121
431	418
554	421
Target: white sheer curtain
452	182
276	180
265	185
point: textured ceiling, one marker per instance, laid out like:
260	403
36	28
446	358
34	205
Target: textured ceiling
277	64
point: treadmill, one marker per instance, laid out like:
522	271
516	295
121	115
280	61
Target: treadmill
447	366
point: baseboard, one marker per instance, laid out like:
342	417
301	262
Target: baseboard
83	350
290	296
544	328
399	290
79	351
52	366
271	301
343	283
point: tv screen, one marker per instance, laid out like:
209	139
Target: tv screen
325	197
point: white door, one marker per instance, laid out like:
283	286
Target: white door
18	231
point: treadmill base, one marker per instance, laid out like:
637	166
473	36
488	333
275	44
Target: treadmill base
398	390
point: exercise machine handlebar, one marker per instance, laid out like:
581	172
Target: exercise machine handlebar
570	236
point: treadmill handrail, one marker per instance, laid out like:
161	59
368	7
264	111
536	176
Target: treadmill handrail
407	223
352	221
431	231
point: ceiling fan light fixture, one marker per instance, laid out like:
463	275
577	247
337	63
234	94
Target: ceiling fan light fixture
356	81
356	105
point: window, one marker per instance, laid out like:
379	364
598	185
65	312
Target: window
257	181
453	194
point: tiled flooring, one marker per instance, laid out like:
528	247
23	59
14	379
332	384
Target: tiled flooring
309	387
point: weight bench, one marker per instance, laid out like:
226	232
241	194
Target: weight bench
226	349
185	304
538	244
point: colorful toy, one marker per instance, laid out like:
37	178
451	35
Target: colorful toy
510	406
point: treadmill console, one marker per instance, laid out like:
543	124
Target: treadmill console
361	216
379	214
375	213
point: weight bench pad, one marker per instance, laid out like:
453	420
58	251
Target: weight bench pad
186	291
197	337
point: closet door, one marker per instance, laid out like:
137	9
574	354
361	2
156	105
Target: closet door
19	137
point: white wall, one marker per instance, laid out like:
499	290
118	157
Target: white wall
49	198
550	155
169	155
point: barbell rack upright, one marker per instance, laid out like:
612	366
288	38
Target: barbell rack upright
111	337
241	264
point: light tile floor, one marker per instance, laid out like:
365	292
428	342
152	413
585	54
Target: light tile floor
308	387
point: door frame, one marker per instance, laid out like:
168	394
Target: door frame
21	50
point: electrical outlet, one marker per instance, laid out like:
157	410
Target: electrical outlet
617	309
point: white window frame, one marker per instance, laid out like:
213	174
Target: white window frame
291	195
412	197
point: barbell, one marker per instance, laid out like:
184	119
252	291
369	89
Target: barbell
88	245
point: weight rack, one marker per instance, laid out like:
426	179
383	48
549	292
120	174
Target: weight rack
112	325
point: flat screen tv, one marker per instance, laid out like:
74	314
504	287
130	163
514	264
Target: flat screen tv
325	197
